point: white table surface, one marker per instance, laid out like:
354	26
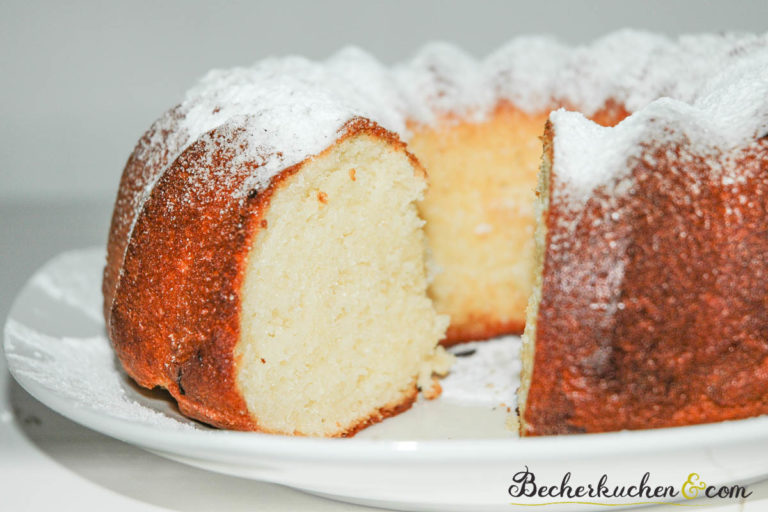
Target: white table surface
49	463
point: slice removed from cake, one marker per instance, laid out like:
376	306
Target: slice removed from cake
480	218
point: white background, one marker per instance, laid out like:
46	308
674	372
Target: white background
81	81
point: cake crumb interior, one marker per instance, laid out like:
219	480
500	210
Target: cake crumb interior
480	218
335	322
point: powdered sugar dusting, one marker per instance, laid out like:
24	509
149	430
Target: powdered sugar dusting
291	108
441	80
288	108
65	282
488	374
537	74
525	72
81	370
160	146
727	111
579	171
614	67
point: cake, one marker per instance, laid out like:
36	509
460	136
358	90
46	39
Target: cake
651	301
277	261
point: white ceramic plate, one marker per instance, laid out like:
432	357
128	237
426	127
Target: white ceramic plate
454	453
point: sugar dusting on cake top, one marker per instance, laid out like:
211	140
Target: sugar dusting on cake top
727	110
288	108
291	108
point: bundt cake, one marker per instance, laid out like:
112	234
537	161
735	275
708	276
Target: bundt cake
277	264
651	301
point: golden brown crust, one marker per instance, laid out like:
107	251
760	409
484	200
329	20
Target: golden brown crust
479	328
654	312
172	283
174	317
611	114
149	158
434	390
383	413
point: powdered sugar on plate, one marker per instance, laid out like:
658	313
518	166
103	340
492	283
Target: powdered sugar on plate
485	372
81	369
64	281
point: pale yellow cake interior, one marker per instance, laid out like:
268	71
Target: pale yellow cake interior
529	337
479	217
336	323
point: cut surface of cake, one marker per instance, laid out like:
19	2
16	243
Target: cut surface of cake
351	328
650	304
